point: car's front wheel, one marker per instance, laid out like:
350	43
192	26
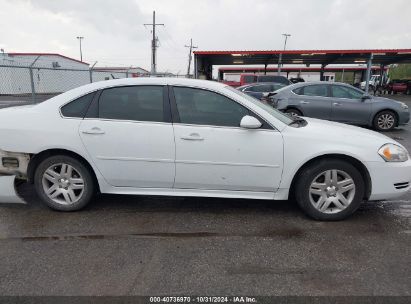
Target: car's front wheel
385	121
64	183
329	190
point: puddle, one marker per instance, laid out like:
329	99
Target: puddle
283	234
401	208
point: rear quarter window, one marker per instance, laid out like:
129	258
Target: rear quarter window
78	107
299	91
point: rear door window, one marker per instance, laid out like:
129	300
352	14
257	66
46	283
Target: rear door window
138	103
316	90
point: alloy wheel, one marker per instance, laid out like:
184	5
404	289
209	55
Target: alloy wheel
385	121
63	184
332	191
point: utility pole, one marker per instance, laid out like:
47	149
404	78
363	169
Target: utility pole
189	56
154	44
280	58
81	51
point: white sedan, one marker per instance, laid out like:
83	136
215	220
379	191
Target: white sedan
160	136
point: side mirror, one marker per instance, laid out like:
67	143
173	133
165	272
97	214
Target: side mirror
249	122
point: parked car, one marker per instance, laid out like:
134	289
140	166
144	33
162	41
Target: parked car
252	78
342	103
399	86
244	79
185	137
296	80
260	90
273	78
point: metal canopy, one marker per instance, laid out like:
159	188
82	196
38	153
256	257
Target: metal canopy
234	69
204	60
321	57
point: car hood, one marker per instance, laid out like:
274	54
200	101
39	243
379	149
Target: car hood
383	99
321	137
331	130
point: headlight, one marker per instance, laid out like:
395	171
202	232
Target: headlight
403	105
393	153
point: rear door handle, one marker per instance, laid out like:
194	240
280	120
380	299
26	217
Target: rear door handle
304	102
192	136
337	104
93	131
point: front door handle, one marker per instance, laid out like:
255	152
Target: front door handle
93	131
192	136
337	104
304	102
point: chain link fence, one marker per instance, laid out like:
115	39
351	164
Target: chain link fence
28	84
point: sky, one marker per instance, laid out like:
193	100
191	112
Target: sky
114	34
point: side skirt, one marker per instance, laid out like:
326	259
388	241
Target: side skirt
190	192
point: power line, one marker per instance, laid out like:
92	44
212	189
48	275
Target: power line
154	45
190	56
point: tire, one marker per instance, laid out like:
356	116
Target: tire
385	121
293	112
69	183
326	203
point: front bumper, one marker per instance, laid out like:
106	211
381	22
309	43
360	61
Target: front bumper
389	180
403	117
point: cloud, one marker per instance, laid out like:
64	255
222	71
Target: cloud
114	34
109	17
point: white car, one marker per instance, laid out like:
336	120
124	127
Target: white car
160	136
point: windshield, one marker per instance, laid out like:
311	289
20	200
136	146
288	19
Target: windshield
273	112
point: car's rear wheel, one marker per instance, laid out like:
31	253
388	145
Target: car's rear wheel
329	190
64	183
293	112
385	121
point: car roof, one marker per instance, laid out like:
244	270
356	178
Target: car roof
260	83
88	88
301	84
154	81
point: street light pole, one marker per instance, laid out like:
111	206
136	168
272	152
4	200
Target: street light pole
280	58
81	52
